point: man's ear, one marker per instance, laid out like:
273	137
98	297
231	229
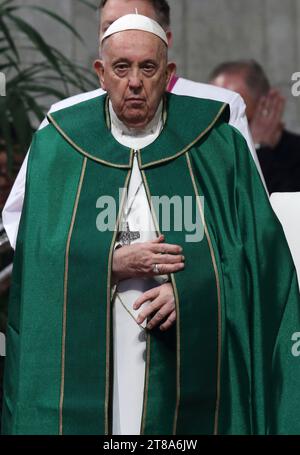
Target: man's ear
171	71
99	68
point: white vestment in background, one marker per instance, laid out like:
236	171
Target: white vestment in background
287	208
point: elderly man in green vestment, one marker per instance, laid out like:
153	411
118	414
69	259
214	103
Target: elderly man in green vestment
141	326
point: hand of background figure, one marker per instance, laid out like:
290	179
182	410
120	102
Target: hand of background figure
137	261
162	307
267	126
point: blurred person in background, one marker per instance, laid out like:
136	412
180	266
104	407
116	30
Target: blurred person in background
278	149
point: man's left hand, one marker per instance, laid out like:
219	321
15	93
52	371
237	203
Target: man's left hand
161	306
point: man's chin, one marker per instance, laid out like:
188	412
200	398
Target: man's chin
135	120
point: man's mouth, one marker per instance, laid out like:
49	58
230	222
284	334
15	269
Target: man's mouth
135	101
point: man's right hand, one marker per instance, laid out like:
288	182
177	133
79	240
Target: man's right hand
137	261
267	125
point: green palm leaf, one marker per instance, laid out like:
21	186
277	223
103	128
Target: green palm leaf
28	87
55	17
36	39
8	37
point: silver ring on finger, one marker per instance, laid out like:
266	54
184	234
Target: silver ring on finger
156	269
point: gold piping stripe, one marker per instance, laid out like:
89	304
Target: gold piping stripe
164	160
216	422
128	311
125	166
107	114
80	150
178	355
109	298
165	111
177	322
146	383
148	339
63	352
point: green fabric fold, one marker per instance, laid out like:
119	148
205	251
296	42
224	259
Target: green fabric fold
227	366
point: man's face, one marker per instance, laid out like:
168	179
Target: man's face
237	83
114	9
135	74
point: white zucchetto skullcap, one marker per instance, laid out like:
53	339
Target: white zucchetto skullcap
136	22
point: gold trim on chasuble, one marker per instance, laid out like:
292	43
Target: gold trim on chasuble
64	333
185	151
109	300
188	147
177	324
109	297
218	293
83	152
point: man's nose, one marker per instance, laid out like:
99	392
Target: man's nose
135	80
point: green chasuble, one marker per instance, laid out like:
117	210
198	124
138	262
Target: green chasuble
229	365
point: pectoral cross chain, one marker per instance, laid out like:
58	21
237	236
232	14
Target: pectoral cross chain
126	236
